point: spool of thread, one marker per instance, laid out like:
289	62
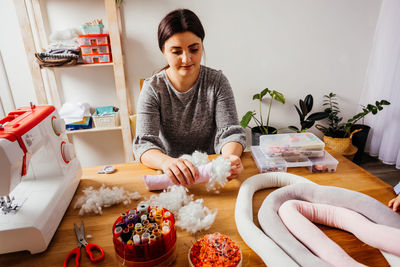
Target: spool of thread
158	218
152	239
157	233
166	223
166	234
151	218
126	235
121	224
143	217
159	210
139	231
167	215
129	219
145	222
123	216
133	212
165	230
135	219
145	238
117	231
138	226
153	212
136	240
142	208
131	227
130	242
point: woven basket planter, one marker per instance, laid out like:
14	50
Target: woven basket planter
342	145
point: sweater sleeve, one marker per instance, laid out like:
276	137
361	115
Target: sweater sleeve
228	127
148	123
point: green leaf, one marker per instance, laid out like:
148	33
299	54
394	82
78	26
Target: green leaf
294	128
309	101
300	114
317	116
303	107
246	118
256	96
307	124
384	102
264	92
278	96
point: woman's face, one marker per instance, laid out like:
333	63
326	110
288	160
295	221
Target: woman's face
183	52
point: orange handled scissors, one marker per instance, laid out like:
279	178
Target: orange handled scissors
90	248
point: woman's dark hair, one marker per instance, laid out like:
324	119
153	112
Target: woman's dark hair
179	20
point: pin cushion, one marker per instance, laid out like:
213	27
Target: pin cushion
215	250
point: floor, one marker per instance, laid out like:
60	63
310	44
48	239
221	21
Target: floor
388	173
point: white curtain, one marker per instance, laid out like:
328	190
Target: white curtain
383	82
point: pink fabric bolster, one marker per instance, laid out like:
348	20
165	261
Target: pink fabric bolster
296	215
162	181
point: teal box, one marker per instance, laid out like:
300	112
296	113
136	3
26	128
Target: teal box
92	29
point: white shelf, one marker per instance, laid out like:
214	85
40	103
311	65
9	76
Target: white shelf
91	130
49	78
81	65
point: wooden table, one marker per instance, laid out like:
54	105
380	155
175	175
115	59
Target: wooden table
128	175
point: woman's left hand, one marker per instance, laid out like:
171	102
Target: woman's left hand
236	166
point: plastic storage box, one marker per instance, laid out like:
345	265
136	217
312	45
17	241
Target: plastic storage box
95	59
95	49
267	164
327	163
293	144
264	163
93	39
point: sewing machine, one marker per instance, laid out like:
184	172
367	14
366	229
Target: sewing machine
38	178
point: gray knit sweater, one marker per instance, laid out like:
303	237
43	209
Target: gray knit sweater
203	118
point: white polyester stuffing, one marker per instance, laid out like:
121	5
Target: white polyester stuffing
94	200
220	168
194	217
190	214
197	158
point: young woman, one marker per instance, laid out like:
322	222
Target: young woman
186	106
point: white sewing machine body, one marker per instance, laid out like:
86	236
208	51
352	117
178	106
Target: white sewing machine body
40	172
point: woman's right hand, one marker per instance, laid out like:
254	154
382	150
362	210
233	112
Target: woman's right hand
394	203
180	171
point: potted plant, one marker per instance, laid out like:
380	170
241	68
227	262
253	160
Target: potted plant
338	134
303	110
261	128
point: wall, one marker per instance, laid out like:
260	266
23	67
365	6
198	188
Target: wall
295	47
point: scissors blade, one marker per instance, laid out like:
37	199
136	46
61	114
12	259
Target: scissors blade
82	230
80	234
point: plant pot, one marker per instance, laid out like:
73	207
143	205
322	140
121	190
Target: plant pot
341	145
256	133
359	140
